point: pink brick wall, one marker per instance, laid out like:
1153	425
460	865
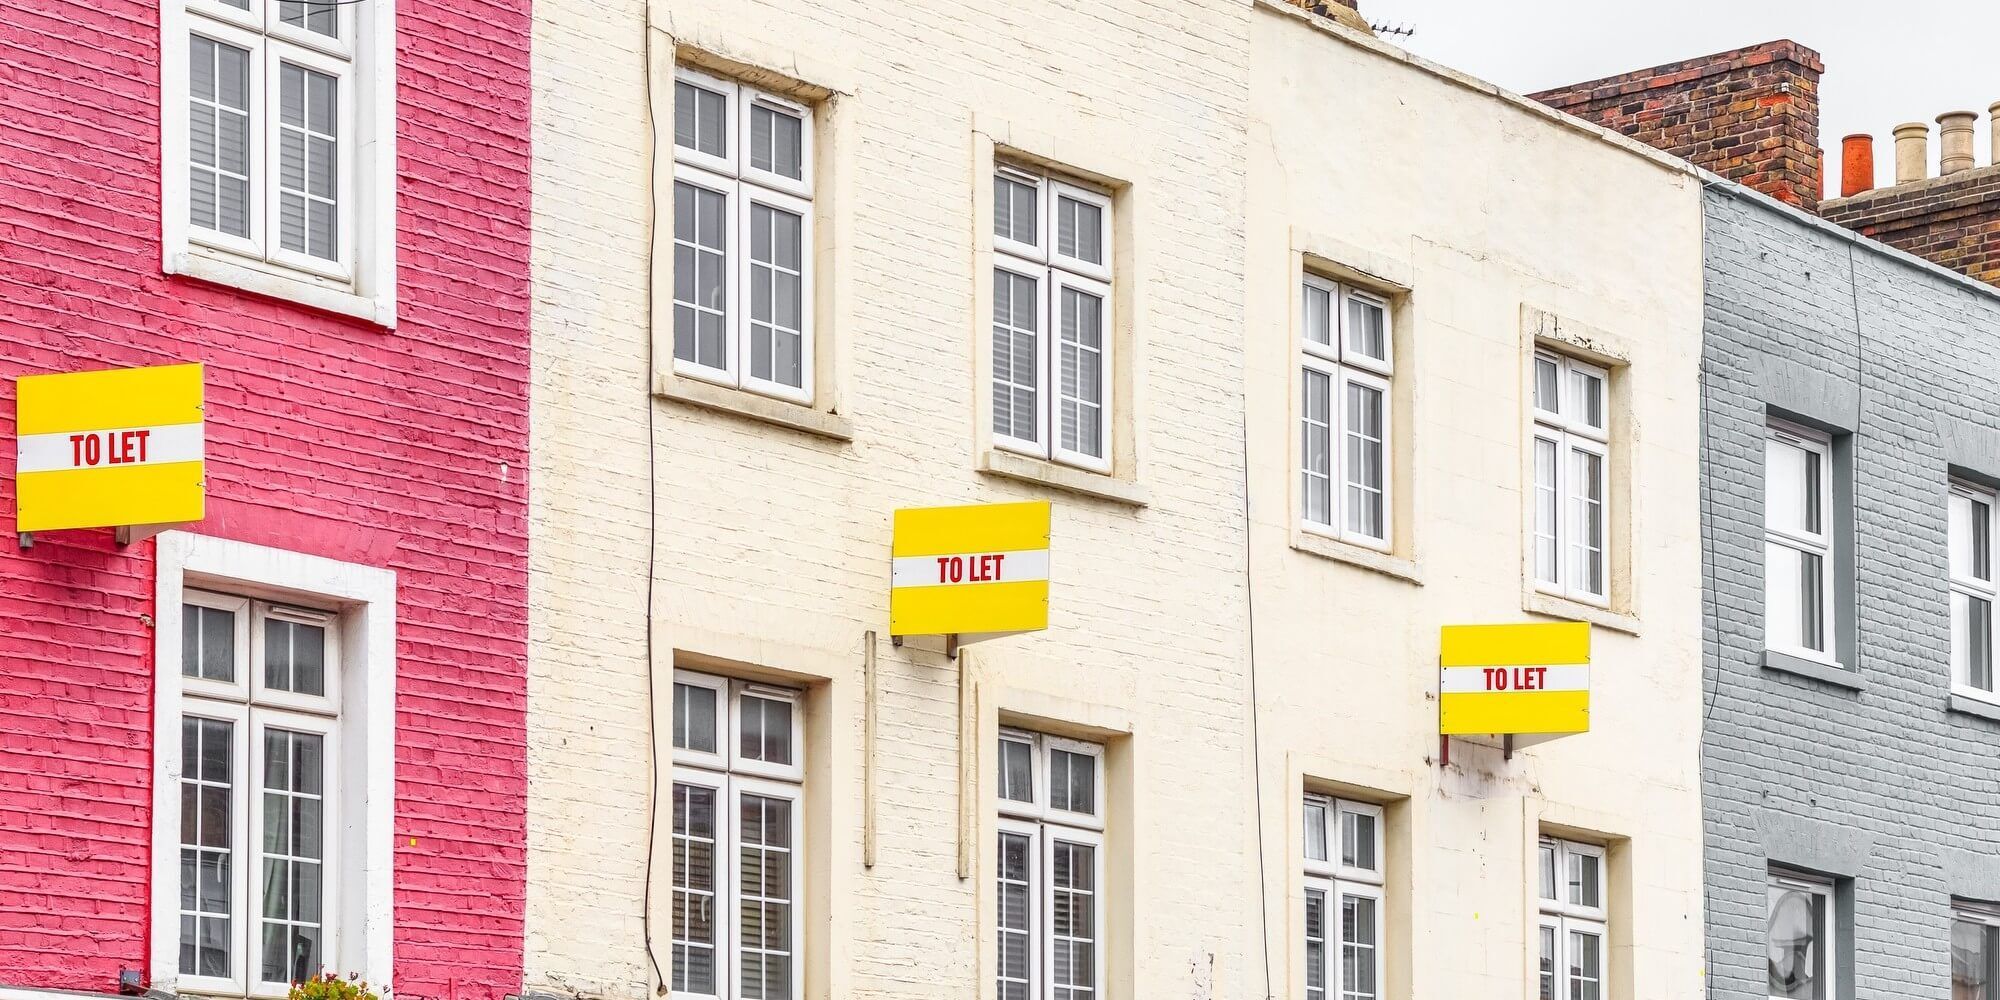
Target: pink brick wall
325	435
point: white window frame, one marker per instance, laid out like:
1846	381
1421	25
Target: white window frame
743	186
1565	916
1986	916
733	775
1568	429
1343	366
1338	882
1820	543
359	775
1052	271
1966	583
1045	826
361	281
1784	878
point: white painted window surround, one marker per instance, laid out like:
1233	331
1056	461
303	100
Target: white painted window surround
743	237
1973	591
1572	478
278	161
1049	883
737	847
1346	439
1572	938
345	704
1344	920
1054	323
1798	542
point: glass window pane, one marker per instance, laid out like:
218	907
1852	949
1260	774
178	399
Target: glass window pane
1367	328
293	874
1790	487
1585	873
1015	900
766	725
207	846
1016	356
1971	960
1548	505
1315	943
1546	872
1587	398
764	896
694	717
1982	540
1318	309
208	643
308	133
1017	771
1796	942
1073	919
294	656
1548	963
1079	230
1357	948
1316	829
219	137
1357	840
1586	527
694	889
701	246
1072	781
776	141
1316	448
1015	212
1081	369
700	119
1585	974
1365	472
1978	640
1547	381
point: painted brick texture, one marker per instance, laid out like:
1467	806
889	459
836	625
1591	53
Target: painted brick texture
1789	304
1952	221
402	448
1750	114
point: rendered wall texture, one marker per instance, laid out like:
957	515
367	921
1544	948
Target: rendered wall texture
402	448
1886	785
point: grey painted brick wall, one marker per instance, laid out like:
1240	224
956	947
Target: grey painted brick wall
1885	785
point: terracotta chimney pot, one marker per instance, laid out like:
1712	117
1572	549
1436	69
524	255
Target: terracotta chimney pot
1913	152
1955	141
1857	164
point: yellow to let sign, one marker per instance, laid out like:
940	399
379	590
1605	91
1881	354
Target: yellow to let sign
973	572
115	448
1514	679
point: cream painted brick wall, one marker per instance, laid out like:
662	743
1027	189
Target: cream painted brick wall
1481	206
771	545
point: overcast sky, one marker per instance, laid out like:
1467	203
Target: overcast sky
1886	63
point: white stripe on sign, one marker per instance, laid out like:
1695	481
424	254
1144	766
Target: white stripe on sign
1480	680
110	449
973	567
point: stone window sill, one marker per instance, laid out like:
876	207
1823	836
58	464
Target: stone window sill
1536	602
1373	560
220	267
1978	706
750	406
1007	465
1799	666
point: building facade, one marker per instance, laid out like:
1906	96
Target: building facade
1850	454
845	259
1520	448
288	736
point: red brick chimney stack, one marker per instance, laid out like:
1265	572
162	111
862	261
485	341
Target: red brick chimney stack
1751	115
